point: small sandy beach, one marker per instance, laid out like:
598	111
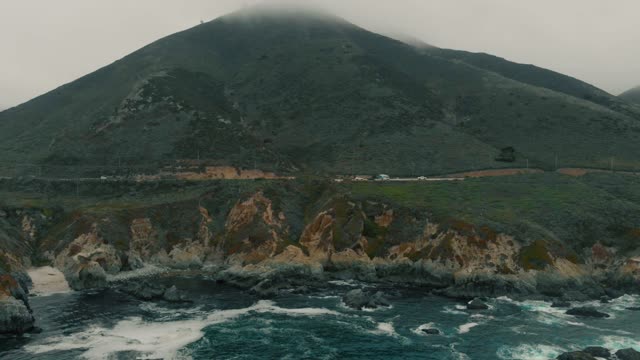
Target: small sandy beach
47	281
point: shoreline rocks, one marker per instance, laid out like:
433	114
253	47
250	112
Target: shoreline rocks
15	316
598	351
358	299
628	354
560	304
576	355
587	311
147	291
431	331
477	304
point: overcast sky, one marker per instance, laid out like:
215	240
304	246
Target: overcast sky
47	43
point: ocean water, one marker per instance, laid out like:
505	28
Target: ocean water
227	323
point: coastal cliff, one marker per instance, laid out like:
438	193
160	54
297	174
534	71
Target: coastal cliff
268	236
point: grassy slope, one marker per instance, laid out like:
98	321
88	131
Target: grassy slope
577	211
323	96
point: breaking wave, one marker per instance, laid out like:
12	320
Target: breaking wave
154	339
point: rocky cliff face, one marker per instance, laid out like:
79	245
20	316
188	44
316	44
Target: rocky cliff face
269	238
19	230
15	312
260	237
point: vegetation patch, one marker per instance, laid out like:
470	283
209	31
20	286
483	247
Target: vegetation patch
535	256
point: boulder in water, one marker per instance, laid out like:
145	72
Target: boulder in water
576	355
359	299
172	294
560	304
628	354
587	311
269	287
598	351
144	290
431	331
477	304
613	293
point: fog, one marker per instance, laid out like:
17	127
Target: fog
48	43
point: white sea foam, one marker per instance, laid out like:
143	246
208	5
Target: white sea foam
379	308
452	311
147	270
157	339
465	328
575	323
481	317
457	354
168	314
350	283
530	352
522	330
323	297
624	302
385	328
619	342
544	312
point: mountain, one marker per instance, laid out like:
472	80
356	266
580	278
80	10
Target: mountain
632	95
298	91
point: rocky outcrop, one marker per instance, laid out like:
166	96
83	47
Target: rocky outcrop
587	311
359	299
576	355
87	261
15	316
15	313
477	304
598	351
253	231
628	354
560	304
147	291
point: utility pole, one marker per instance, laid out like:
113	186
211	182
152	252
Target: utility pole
556	161
527	164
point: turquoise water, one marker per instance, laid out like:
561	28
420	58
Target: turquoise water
227	323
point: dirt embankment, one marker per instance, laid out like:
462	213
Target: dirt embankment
584	171
496	172
213	173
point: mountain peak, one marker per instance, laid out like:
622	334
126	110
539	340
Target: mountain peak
273	10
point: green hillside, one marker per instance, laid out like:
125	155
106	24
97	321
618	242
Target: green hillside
632	95
303	92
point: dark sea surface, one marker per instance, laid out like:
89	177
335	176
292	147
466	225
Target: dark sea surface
227	323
